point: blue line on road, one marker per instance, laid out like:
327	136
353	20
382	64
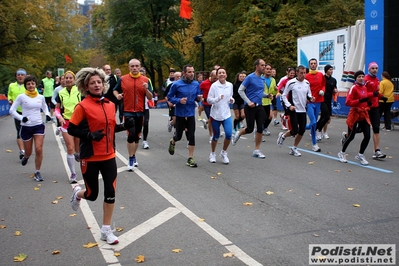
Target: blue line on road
350	162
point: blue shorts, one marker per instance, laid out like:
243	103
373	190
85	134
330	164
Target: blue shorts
27	133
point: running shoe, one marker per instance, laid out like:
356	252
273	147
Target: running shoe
130	165
108	235
38	177
77	157
75	202
212	157
258	154
145	145
221	134
57	131
295	152
325	136
280	139
204	123
362	159
135	163
72	179
235	138
266	132
21	154
379	155
342	157
225	159
316	148
318	136
343	138
171	147
191	162
276	122
24	160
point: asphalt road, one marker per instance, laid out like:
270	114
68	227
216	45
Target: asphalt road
202	213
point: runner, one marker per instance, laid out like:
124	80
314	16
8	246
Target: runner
32	126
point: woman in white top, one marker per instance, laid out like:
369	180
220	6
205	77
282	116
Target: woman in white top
32	126
221	96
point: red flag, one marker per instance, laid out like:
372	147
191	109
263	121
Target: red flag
185	9
68	59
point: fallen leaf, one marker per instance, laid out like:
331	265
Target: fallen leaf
140	258
219	173
9	151
248	146
311	162
356	205
9	197
337	171
387	148
59	197
202	220
350	188
72	214
2	226
117	254
389	157
55	252
248	203
316	235
121	208
55	181
20	257
228	255
54	202
90	245
17	233
349	170
386	184
39	185
317	194
36	188
269	192
176	250
213	177
119	229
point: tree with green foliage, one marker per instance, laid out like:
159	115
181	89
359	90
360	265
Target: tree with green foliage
150	31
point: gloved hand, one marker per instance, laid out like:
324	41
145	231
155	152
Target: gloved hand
385	99
363	100
48	118
335	104
129	122
96	135
24	119
375	93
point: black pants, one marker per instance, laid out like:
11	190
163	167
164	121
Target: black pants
385	109
358	126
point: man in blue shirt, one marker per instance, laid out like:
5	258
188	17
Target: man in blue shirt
252	92
184	93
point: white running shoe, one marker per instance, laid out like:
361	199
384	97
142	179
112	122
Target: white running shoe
280	139
361	158
295	152
75	203
342	157
258	154
204	123
276	122
145	145
235	138
108	235
130	167
318	136
266	132
212	157
225	159
379	155
325	136
316	148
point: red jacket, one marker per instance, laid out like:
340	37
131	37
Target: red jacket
372	85
96	114
317	83
205	86
359	110
133	93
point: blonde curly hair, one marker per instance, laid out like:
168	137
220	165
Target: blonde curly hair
84	75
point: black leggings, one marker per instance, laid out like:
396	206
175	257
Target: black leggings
145	123
253	114
298	122
134	132
183	123
90	171
365	128
374	115
324	116
267	117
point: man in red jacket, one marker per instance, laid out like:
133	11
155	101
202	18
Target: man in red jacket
373	88
132	89
204	87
